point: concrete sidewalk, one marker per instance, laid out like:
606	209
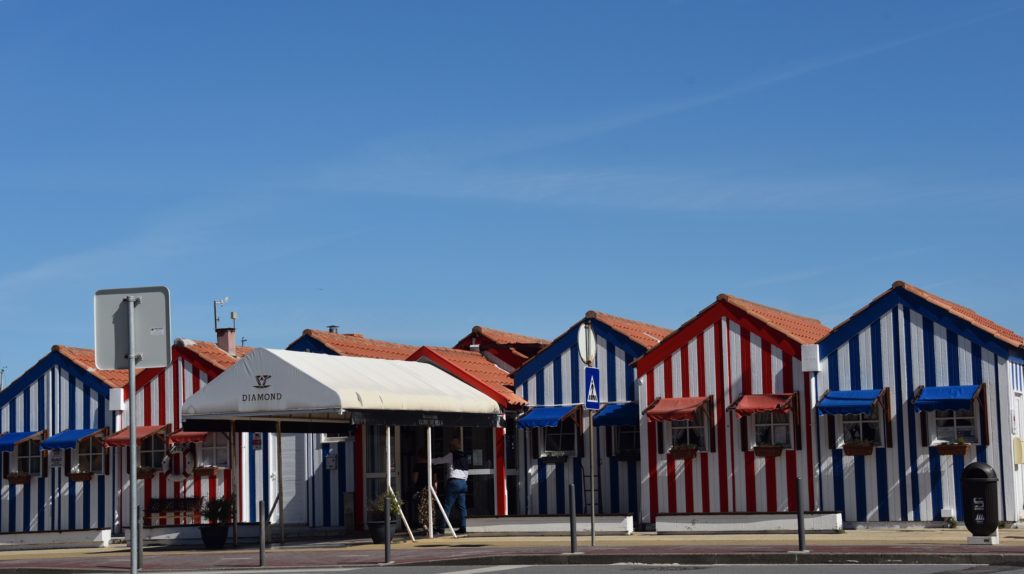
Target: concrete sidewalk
919	546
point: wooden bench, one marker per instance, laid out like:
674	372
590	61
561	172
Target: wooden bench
186	509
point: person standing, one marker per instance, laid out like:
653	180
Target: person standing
455	488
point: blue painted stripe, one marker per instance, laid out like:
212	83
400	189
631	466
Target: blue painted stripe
958	469
632	485
999	425
934	461
953	359
838	486
859	472
577	474
612	375
855	382
542	487
881	459
325	451
101	485
560	484
630	380
977	378
613	476
342	486
556	383
574	385
266	472
72	486
915	488
252	481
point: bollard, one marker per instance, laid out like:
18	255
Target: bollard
387	528
572	518
800	532
138	516
263	535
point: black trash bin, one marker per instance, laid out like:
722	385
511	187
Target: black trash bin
979	484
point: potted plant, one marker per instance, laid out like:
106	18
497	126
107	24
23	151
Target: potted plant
17	477
768	450
953	448
859	447
683	451
218	513
375	523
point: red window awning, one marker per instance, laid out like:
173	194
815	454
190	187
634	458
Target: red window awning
751	404
184	437
677	408
121	438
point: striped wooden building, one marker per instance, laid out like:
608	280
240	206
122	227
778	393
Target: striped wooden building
940	387
552	451
68	483
727	413
507	350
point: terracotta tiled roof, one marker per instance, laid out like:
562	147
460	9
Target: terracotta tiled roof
355	345
213	354
644	334
86	359
803	330
970	315
477	366
506	338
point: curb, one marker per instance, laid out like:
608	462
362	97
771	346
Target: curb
742	558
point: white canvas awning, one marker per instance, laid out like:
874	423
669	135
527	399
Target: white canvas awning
311	388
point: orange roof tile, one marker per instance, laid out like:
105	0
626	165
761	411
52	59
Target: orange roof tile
803	330
477	366
643	334
506	338
355	345
213	354
86	359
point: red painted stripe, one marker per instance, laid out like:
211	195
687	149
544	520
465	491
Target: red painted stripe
791	470
749	462
670	463
176	392
705	459
196	484
499	470
684	376
723	469
727	392
161	401
767	386
652	451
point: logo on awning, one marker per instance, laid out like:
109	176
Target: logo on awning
261	382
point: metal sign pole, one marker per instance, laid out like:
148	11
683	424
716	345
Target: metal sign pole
387	492
430	483
593	479
133	448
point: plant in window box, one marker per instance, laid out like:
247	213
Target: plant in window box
375	516
769	450
953	448
77	475
17	477
683	451
554	456
203	471
146	472
859	447
218	512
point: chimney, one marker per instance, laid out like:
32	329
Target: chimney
332	329
475	345
226	339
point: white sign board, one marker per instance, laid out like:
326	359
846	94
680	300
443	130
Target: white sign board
152	327
587	343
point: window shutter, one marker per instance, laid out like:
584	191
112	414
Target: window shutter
983	413
44	462
744	432
67	462
833	438
660	432
710	431
534	438
7	463
106	461
926	440
886	425
795	422
581	447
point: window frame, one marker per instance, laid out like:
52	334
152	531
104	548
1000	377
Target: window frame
773	424
95	452
956	417
36	453
874	417
148	449
205	449
699	422
616	446
566	429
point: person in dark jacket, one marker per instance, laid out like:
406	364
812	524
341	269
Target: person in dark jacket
455	488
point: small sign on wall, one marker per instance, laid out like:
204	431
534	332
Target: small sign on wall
56	460
257	441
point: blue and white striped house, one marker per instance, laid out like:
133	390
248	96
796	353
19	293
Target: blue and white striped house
552	434
57	475
939	387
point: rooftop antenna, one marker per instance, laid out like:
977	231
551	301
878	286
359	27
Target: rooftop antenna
216	317
243	341
234	319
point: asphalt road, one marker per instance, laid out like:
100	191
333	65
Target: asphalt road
654	569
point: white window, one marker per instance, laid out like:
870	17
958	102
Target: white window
28	458
956	427
215	451
90	456
689	433
152	452
773	429
332	437
862	428
561	439
626	442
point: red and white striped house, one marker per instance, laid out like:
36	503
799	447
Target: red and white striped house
727	416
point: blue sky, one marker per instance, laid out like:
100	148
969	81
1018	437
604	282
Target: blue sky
410	169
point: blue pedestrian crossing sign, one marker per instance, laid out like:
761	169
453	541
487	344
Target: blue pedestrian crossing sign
592	376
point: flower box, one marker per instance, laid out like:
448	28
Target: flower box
768	451
80	476
203	471
680	452
145	472
18	478
952	449
858	449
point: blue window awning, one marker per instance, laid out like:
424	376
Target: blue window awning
13	439
618	415
546	417
68	439
946	398
849	402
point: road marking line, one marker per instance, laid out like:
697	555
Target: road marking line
487	569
